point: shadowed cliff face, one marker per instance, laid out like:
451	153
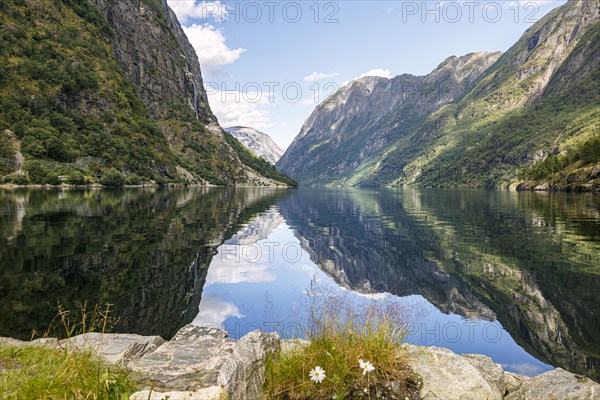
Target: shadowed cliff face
518	258
157	57
145	252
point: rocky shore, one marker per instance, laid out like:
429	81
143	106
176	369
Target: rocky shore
202	363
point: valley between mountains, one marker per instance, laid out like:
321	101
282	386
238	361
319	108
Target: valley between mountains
99	92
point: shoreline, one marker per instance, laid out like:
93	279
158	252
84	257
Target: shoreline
149	186
522	187
204	364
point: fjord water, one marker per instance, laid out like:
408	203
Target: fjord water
515	276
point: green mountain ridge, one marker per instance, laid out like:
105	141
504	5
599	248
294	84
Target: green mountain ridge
529	119
97	91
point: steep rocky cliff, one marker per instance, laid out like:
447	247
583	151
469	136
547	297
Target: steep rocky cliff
538	101
157	57
110	92
365	117
257	142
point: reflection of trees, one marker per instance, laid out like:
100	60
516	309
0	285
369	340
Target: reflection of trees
530	258
145	251
469	252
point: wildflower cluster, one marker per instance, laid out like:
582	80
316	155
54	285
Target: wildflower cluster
351	353
317	374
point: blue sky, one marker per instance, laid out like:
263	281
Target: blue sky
267	64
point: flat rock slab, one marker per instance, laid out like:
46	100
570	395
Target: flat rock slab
46	342
293	345
557	384
189	362
10	342
114	348
211	393
449	376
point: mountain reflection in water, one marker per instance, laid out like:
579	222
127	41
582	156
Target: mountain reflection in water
511	275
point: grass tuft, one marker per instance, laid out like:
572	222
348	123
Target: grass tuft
83	319
36	372
340	335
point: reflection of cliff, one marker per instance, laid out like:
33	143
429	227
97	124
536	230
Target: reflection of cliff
466	252
258	229
346	236
15	208
146	252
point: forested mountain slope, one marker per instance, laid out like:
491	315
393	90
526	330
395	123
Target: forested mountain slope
109	92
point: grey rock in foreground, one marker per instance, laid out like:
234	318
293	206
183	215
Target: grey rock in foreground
513	381
449	376
201	363
557	384
293	345
210	393
46	342
114	348
190	361
489	370
243	374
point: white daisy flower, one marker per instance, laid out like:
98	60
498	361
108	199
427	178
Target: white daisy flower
317	374
366	366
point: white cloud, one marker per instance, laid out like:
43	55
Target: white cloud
234	108
315	76
214	311
192	9
211	48
384	73
524	368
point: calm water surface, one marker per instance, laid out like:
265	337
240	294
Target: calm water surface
515	276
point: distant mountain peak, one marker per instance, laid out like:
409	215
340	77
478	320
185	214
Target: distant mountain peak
257	142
